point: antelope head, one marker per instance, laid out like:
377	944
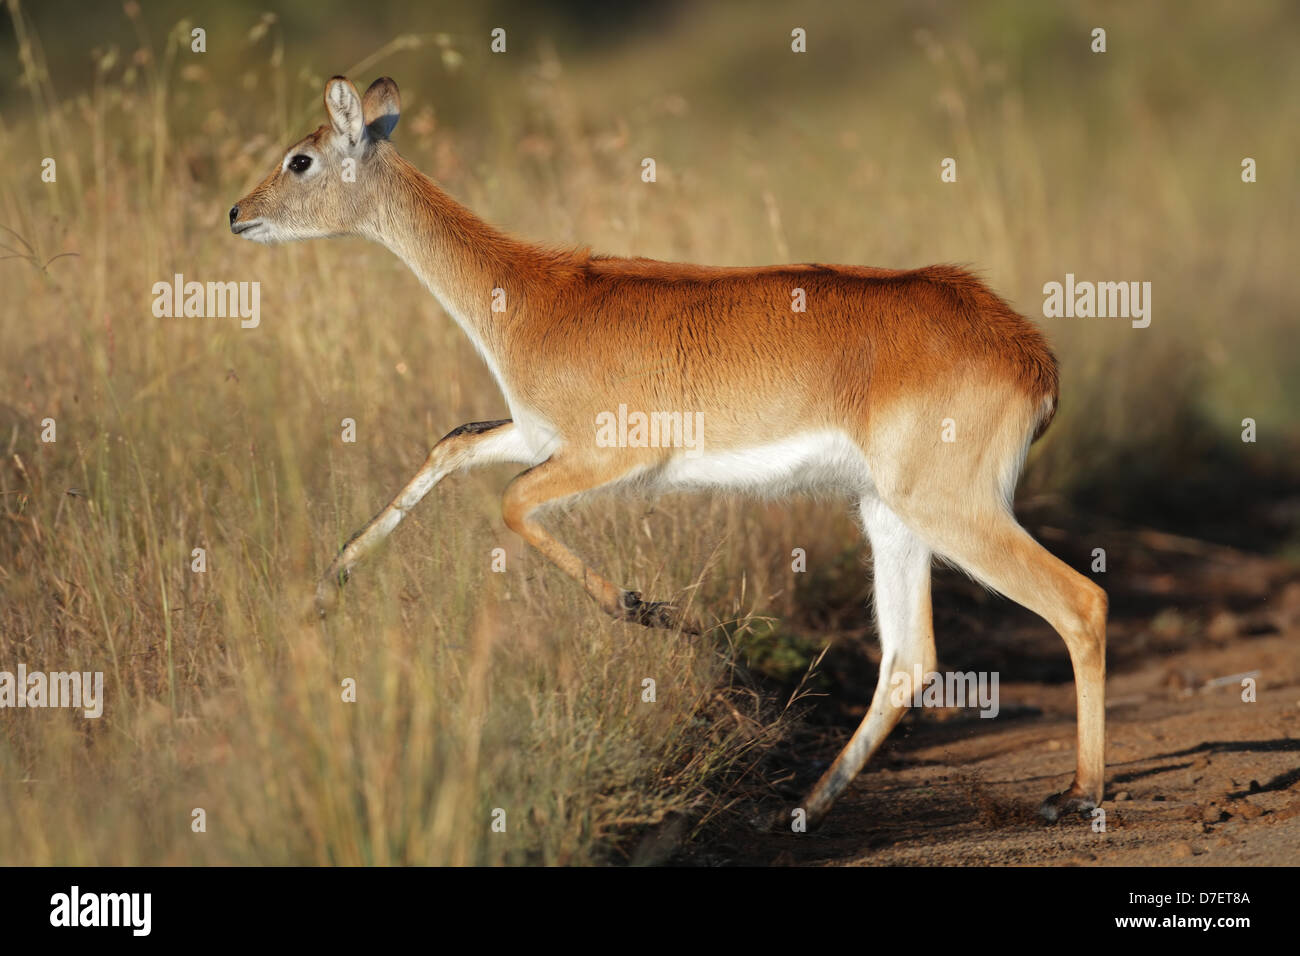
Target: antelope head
327	183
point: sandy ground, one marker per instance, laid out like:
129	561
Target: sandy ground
1196	776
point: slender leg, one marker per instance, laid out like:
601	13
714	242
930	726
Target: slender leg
997	551
478	443
559	478
903	618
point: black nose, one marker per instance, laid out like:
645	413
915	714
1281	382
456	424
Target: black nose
234	214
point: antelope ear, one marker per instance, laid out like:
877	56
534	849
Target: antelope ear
381	107
344	108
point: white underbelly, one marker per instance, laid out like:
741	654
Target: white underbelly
817	461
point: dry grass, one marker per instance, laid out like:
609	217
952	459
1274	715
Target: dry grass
479	690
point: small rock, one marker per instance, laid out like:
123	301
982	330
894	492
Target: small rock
1122	796
1213	814
1180	851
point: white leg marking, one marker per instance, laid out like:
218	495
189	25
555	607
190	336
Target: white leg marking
457	452
903	618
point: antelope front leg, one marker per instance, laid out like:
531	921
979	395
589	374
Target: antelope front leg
478	443
559	478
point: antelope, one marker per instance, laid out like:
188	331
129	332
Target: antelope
914	393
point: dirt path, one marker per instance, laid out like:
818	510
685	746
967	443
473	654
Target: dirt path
1196	776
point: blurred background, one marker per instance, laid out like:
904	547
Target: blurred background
482	690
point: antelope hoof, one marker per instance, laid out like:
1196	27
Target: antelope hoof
325	600
1073	800
653	613
327	592
784	820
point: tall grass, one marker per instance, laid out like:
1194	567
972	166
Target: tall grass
479	691
476	692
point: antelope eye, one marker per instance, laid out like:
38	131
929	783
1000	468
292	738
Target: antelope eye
300	163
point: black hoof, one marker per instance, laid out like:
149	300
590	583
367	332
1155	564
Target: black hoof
784	820
770	822
1066	802
658	614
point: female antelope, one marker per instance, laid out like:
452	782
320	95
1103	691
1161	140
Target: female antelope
914	393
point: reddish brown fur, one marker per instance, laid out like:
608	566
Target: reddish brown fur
867	334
